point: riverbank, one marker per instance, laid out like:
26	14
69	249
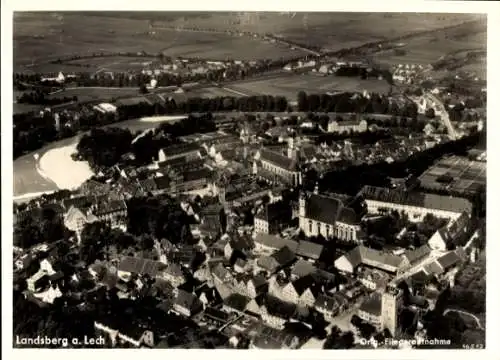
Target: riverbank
58	166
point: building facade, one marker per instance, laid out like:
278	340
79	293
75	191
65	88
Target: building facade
327	216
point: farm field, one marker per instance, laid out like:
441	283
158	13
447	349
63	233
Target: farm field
429	48
331	31
114	63
464	175
215	46
41	37
289	86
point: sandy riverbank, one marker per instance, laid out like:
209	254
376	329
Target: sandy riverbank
58	166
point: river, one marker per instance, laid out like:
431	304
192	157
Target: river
28	180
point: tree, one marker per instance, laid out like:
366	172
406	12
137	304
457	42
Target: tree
143	89
95	242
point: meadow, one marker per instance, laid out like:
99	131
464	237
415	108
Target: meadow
289	86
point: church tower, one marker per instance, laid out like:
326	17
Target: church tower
302	205
392	299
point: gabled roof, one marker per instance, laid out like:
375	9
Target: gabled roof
278	160
303	268
322	208
420	277
326	302
258	281
417	199
304	283
112	206
372	305
162	183
278	308
80	202
418	253
237	302
141	266
433	268
178	149
268	262
448	260
274	241
274	212
348	216
284	256
186	299
220	272
375	258
309	249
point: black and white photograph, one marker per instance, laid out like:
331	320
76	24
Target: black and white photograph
247	179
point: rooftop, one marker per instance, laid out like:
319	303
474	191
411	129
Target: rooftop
372	305
278	159
424	200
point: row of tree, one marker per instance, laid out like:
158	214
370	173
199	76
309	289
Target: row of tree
39	97
353	103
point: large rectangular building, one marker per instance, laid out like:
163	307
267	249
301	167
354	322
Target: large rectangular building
415	204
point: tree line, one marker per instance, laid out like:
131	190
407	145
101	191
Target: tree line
39	97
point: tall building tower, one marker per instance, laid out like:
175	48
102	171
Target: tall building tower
57	121
392	299
302	205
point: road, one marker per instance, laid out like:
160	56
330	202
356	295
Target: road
439	107
478	322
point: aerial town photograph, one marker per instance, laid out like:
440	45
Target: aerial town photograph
249	180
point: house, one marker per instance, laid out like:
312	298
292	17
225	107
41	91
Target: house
276	261
186	304
236	303
371	310
180	164
216	317
113	212
256	286
302	268
49	295
267	243
154	269
449	260
452	234
269	338
416	255
346	126
272	218
415	204
240	265
327	216
362	255
275	312
134	338
309	250
328	306
75	220
184	150
373	279
173	274
301	292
